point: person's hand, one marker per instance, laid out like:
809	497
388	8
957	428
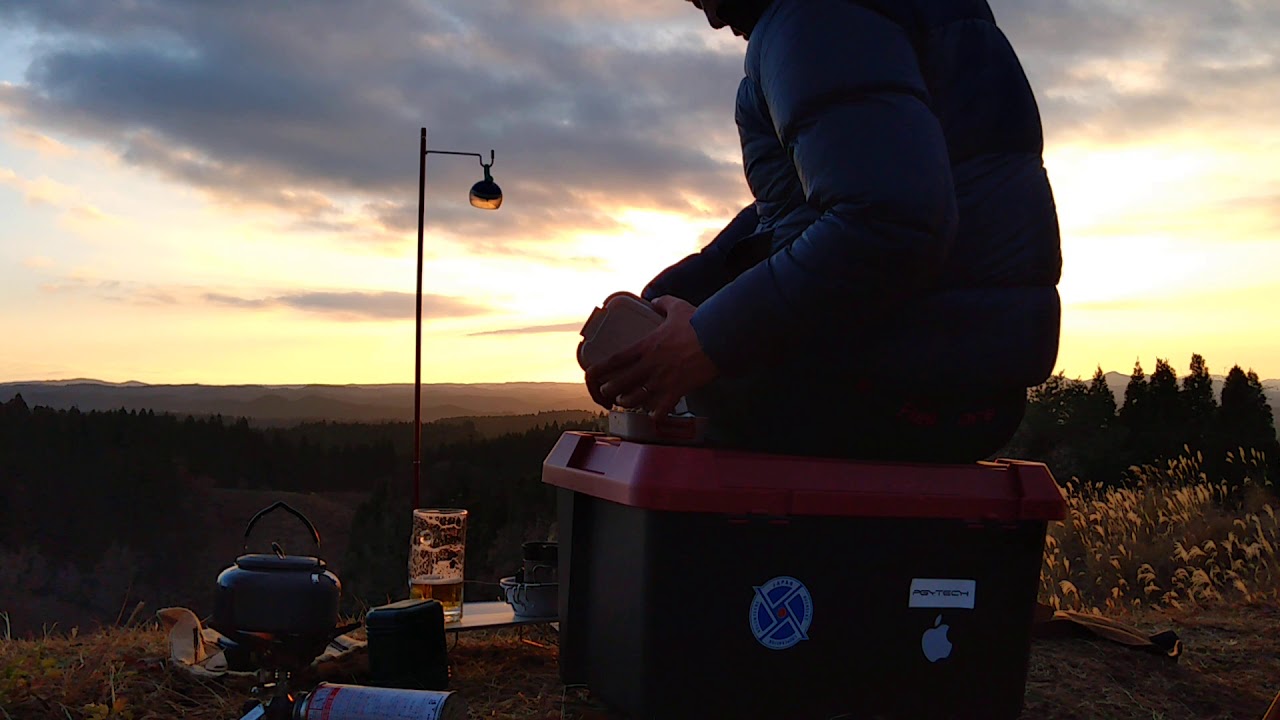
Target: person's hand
658	370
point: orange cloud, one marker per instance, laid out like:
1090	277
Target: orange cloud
38	191
39	142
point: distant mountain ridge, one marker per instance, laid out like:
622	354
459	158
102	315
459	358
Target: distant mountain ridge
357	403
296	403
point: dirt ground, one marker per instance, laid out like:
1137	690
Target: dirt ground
1230	668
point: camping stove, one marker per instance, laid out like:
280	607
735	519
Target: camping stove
641	427
279	611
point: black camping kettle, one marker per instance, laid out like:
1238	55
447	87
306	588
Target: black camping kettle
277	594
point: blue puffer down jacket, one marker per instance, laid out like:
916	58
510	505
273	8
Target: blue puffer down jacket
903	227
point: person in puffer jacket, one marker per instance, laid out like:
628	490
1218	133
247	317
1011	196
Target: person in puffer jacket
892	291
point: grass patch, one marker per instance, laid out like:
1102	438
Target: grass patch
1172	539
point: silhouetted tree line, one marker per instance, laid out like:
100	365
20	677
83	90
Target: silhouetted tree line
91	503
1077	428
103	493
88	503
226	452
73	482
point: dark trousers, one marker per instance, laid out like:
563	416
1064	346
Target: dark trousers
860	419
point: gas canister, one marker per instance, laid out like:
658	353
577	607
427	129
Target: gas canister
355	702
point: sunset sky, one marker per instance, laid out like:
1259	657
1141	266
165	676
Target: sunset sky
226	192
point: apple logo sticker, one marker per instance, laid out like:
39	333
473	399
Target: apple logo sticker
934	642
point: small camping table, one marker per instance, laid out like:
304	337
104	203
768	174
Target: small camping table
491	615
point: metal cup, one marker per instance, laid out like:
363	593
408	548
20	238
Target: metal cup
541	562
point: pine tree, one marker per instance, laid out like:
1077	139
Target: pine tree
1162	390
1166	434
17	406
1100	450
1198	403
1101	402
1244	422
1134	418
1044	430
1132	413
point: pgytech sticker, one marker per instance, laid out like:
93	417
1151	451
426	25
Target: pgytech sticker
940	593
781	613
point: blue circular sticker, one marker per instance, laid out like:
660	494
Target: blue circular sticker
781	612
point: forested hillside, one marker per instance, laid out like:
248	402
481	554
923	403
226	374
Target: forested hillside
101	510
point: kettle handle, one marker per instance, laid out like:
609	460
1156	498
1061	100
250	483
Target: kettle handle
280	504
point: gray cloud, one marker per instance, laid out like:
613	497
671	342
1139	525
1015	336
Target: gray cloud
1202	63
355	305
314	108
337	305
296	106
238	302
110	290
532	329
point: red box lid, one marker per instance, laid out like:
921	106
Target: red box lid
700	479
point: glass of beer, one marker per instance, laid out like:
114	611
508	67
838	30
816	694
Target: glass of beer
436	551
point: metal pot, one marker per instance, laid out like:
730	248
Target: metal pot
541	562
275	593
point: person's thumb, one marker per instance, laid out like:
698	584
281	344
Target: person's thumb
669	303
664	406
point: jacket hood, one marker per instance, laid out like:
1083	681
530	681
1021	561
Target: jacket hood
742	15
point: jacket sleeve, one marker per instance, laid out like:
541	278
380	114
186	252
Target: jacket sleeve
698	276
844	92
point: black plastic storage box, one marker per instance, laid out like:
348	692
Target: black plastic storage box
703	583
